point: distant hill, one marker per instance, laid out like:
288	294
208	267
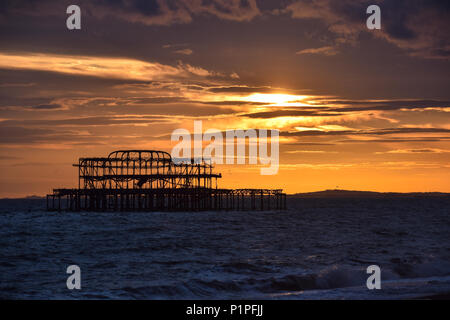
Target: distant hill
364	194
34	197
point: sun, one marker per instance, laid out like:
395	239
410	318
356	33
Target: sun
276	98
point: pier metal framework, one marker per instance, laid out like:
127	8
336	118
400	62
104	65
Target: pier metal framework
149	180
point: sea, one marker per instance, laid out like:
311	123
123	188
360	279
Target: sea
317	249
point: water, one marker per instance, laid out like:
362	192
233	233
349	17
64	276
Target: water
319	249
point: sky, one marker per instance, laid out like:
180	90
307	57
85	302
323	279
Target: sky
357	109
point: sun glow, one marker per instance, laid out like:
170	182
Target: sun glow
277	99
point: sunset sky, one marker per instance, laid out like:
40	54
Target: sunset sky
356	108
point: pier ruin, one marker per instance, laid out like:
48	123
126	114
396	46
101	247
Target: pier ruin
149	180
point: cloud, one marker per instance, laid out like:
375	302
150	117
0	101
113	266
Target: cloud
88	121
232	103
309	151
234	75
334	14
374	132
395	140
241	89
186	52
326	51
174	45
47	107
103	67
13	134
181	48
417	26
387	165
289	113
412	103
325	107
19	102
415	151
237	10
3	157
148	12
310	144
17	85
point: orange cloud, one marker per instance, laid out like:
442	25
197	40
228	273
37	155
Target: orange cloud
104	67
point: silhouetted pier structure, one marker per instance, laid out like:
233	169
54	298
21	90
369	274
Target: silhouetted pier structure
148	180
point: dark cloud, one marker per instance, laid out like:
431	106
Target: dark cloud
396	103
310	144
289	113
374	132
17	85
422	150
241	89
157	100
7	6
147	7
87	121
232	103
3	157
167	12
356	106
418	26
387	107
12	100
47	107
16	134
395	140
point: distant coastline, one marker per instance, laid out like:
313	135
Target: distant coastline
330	193
336	193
